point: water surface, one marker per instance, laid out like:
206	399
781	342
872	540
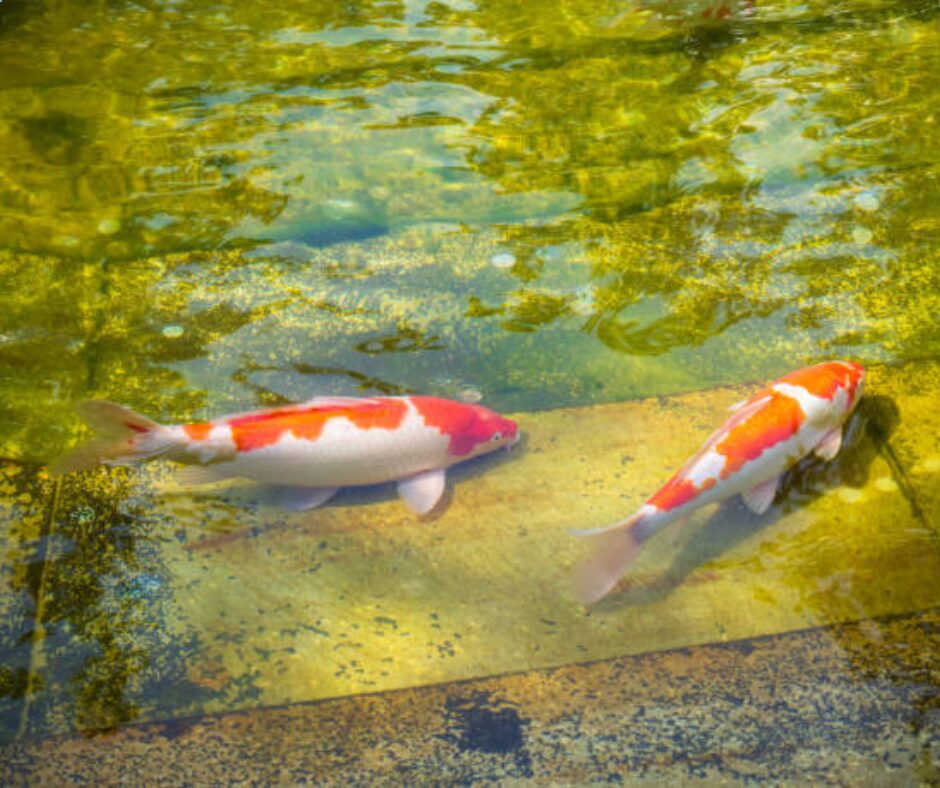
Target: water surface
209	206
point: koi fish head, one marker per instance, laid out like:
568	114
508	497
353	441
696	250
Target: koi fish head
827	391
473	429
495	431
854	382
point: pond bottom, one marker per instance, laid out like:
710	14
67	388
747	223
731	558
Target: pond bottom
846	704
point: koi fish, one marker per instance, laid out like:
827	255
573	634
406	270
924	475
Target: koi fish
308	451
767	434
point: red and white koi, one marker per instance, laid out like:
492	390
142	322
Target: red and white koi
767	434
311	450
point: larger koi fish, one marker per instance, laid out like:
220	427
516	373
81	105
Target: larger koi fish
308	451
767	434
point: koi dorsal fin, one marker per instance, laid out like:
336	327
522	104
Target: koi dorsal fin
339	402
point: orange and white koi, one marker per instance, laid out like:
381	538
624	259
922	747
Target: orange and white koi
311	450
767	434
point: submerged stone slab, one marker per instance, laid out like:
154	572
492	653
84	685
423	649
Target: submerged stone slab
24	509
361	596
167	602
850	704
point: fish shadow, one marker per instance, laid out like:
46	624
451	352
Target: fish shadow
865	436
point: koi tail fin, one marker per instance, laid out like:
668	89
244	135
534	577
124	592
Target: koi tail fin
615	548
123	437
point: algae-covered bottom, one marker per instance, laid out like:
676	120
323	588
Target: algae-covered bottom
153	603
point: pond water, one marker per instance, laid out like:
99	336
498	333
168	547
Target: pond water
209	206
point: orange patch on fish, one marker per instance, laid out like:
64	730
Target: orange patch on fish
678	491
777	420
822	380
198	431
257	430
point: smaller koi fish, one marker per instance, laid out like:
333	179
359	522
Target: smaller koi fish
307	452
767	434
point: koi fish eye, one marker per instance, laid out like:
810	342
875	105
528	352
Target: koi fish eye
496	437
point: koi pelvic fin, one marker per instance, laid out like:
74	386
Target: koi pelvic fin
300	499
829	446
759	499
123	437
615	548
423	491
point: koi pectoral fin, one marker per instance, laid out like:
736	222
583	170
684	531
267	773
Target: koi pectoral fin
759	498
422	491
830	444
299	499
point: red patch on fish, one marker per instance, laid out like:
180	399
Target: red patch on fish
461	423
855	374
265	428
777	420
198	431
853	387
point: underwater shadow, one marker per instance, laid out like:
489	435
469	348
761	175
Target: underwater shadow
865	437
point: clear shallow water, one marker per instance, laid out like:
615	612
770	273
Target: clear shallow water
206	206
200	199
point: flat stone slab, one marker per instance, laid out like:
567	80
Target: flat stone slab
361	597
159	603
851	704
